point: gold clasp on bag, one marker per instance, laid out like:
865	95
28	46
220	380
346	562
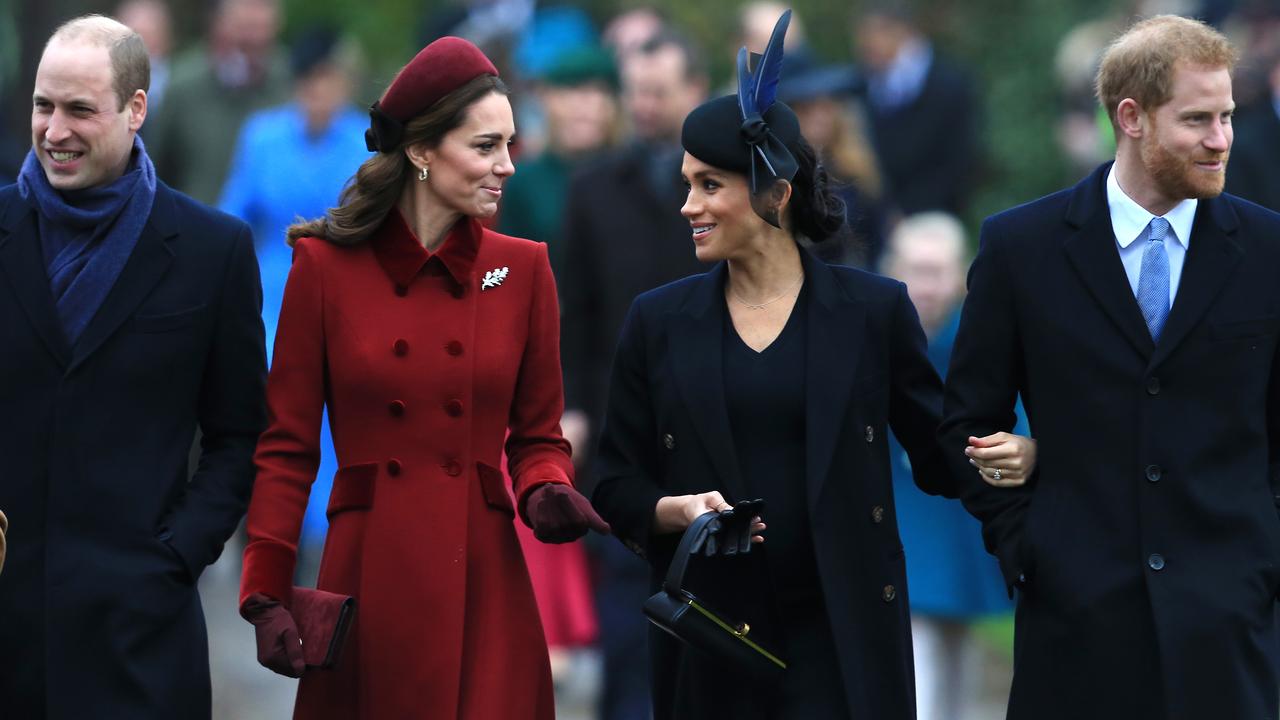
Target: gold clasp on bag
742	629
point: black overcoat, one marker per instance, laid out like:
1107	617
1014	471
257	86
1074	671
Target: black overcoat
99	615
1148	538
667	432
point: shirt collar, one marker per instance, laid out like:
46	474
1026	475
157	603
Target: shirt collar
1130	220
402	257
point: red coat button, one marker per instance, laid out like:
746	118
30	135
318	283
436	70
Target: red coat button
402	290
453	408
396	408
400	347
393	467
459	291
453	347
452	469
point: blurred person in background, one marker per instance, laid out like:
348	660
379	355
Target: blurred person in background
822	97
152	20
923	113
292	161
131	316
623	235
952	578
434	342
629	30
214	87
755	25
1254	171
578	95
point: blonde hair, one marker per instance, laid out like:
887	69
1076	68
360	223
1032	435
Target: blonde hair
1140	63
130	65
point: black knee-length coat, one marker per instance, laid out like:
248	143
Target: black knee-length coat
667	432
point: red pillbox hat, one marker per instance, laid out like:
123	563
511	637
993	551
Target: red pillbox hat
437	70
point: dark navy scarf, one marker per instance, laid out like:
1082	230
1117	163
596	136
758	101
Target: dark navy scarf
87	235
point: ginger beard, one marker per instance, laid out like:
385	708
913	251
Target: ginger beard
1176	175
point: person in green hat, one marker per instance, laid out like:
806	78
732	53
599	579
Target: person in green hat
579	95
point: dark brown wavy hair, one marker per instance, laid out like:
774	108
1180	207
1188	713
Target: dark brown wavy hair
376	187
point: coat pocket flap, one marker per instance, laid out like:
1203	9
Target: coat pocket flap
352	488
494	486
166	321
1235	329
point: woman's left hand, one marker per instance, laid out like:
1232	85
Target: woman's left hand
558	514
1003	459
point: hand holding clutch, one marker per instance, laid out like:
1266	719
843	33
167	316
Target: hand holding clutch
559	514
279	646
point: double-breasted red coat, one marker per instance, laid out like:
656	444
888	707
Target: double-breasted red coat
424	360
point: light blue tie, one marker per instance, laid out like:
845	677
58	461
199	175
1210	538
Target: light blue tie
1153	279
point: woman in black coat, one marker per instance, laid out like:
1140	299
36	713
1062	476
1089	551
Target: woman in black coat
776	376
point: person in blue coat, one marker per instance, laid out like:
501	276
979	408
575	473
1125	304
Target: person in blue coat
952	577
292	161
129	317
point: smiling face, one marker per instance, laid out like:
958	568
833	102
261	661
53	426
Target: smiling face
80	135
1187	141
718	208
472	161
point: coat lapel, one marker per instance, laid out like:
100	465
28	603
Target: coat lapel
23	264
1091	248
1211	257
836	325
146	266
697	331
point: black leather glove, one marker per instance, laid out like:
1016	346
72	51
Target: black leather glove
730	533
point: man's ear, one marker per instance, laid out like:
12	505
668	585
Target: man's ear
137	107
1131	119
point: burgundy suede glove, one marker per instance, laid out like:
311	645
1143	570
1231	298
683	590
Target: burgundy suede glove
559	514
4	527
279	647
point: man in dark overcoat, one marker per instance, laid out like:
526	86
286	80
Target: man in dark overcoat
1137	313
129	317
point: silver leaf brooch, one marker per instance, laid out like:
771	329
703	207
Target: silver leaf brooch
494	278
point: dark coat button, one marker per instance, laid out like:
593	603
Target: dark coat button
669	441
889	593
396	408
1154	473
394	467
453	347
400	347
869	434
1156	562
452	469
1153	386
877	514
453	408
402	290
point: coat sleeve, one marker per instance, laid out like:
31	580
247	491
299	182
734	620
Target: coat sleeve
915	400
230	416
536	451
627	491
982	386
289	451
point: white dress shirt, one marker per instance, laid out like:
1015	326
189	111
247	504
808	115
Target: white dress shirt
1129	223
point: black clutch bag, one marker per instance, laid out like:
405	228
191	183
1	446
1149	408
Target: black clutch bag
677	611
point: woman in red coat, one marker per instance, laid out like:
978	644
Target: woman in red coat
428	337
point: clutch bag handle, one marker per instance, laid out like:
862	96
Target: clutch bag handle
680	562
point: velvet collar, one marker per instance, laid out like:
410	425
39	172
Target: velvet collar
402	257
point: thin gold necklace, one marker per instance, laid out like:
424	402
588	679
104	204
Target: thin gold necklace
763	305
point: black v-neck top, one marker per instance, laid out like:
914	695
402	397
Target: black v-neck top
765	399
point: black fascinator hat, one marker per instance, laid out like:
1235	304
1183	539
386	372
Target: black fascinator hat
750	133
